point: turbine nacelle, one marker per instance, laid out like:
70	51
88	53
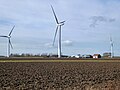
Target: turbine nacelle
8	36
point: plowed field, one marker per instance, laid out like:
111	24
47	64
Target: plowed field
59	76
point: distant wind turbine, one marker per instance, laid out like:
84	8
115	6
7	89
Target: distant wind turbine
58	28
111	47
9	41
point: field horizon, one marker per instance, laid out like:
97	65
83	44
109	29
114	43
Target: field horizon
39	59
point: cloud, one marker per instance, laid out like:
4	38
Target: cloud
64	43
112	20
34	19
95	20
67	43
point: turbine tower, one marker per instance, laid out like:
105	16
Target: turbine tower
111	47
9	41
58	29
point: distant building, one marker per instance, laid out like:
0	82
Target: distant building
78	56
107	55
96	56
44	55
87	56
73	56
64	56
53	55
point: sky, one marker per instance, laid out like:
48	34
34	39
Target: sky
87	30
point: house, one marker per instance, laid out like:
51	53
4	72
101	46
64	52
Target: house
78	56
87	56
96	56
107	55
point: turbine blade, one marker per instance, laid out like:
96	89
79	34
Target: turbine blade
62	22
11	30
4	36
55	35
54	15
10	43
110	39
111	42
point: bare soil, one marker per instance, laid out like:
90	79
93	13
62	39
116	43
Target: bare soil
59	76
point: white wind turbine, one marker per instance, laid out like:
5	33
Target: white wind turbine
9	41
58	28
111	47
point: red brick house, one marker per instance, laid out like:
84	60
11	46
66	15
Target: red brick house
96	56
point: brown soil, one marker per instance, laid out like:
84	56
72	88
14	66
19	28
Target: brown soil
59	76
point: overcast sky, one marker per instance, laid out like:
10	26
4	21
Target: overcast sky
88	26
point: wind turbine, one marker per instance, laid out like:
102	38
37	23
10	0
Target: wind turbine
9	41
58	29
111	47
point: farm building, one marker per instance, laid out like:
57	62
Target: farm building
78	56
96	56
87	56
107	55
